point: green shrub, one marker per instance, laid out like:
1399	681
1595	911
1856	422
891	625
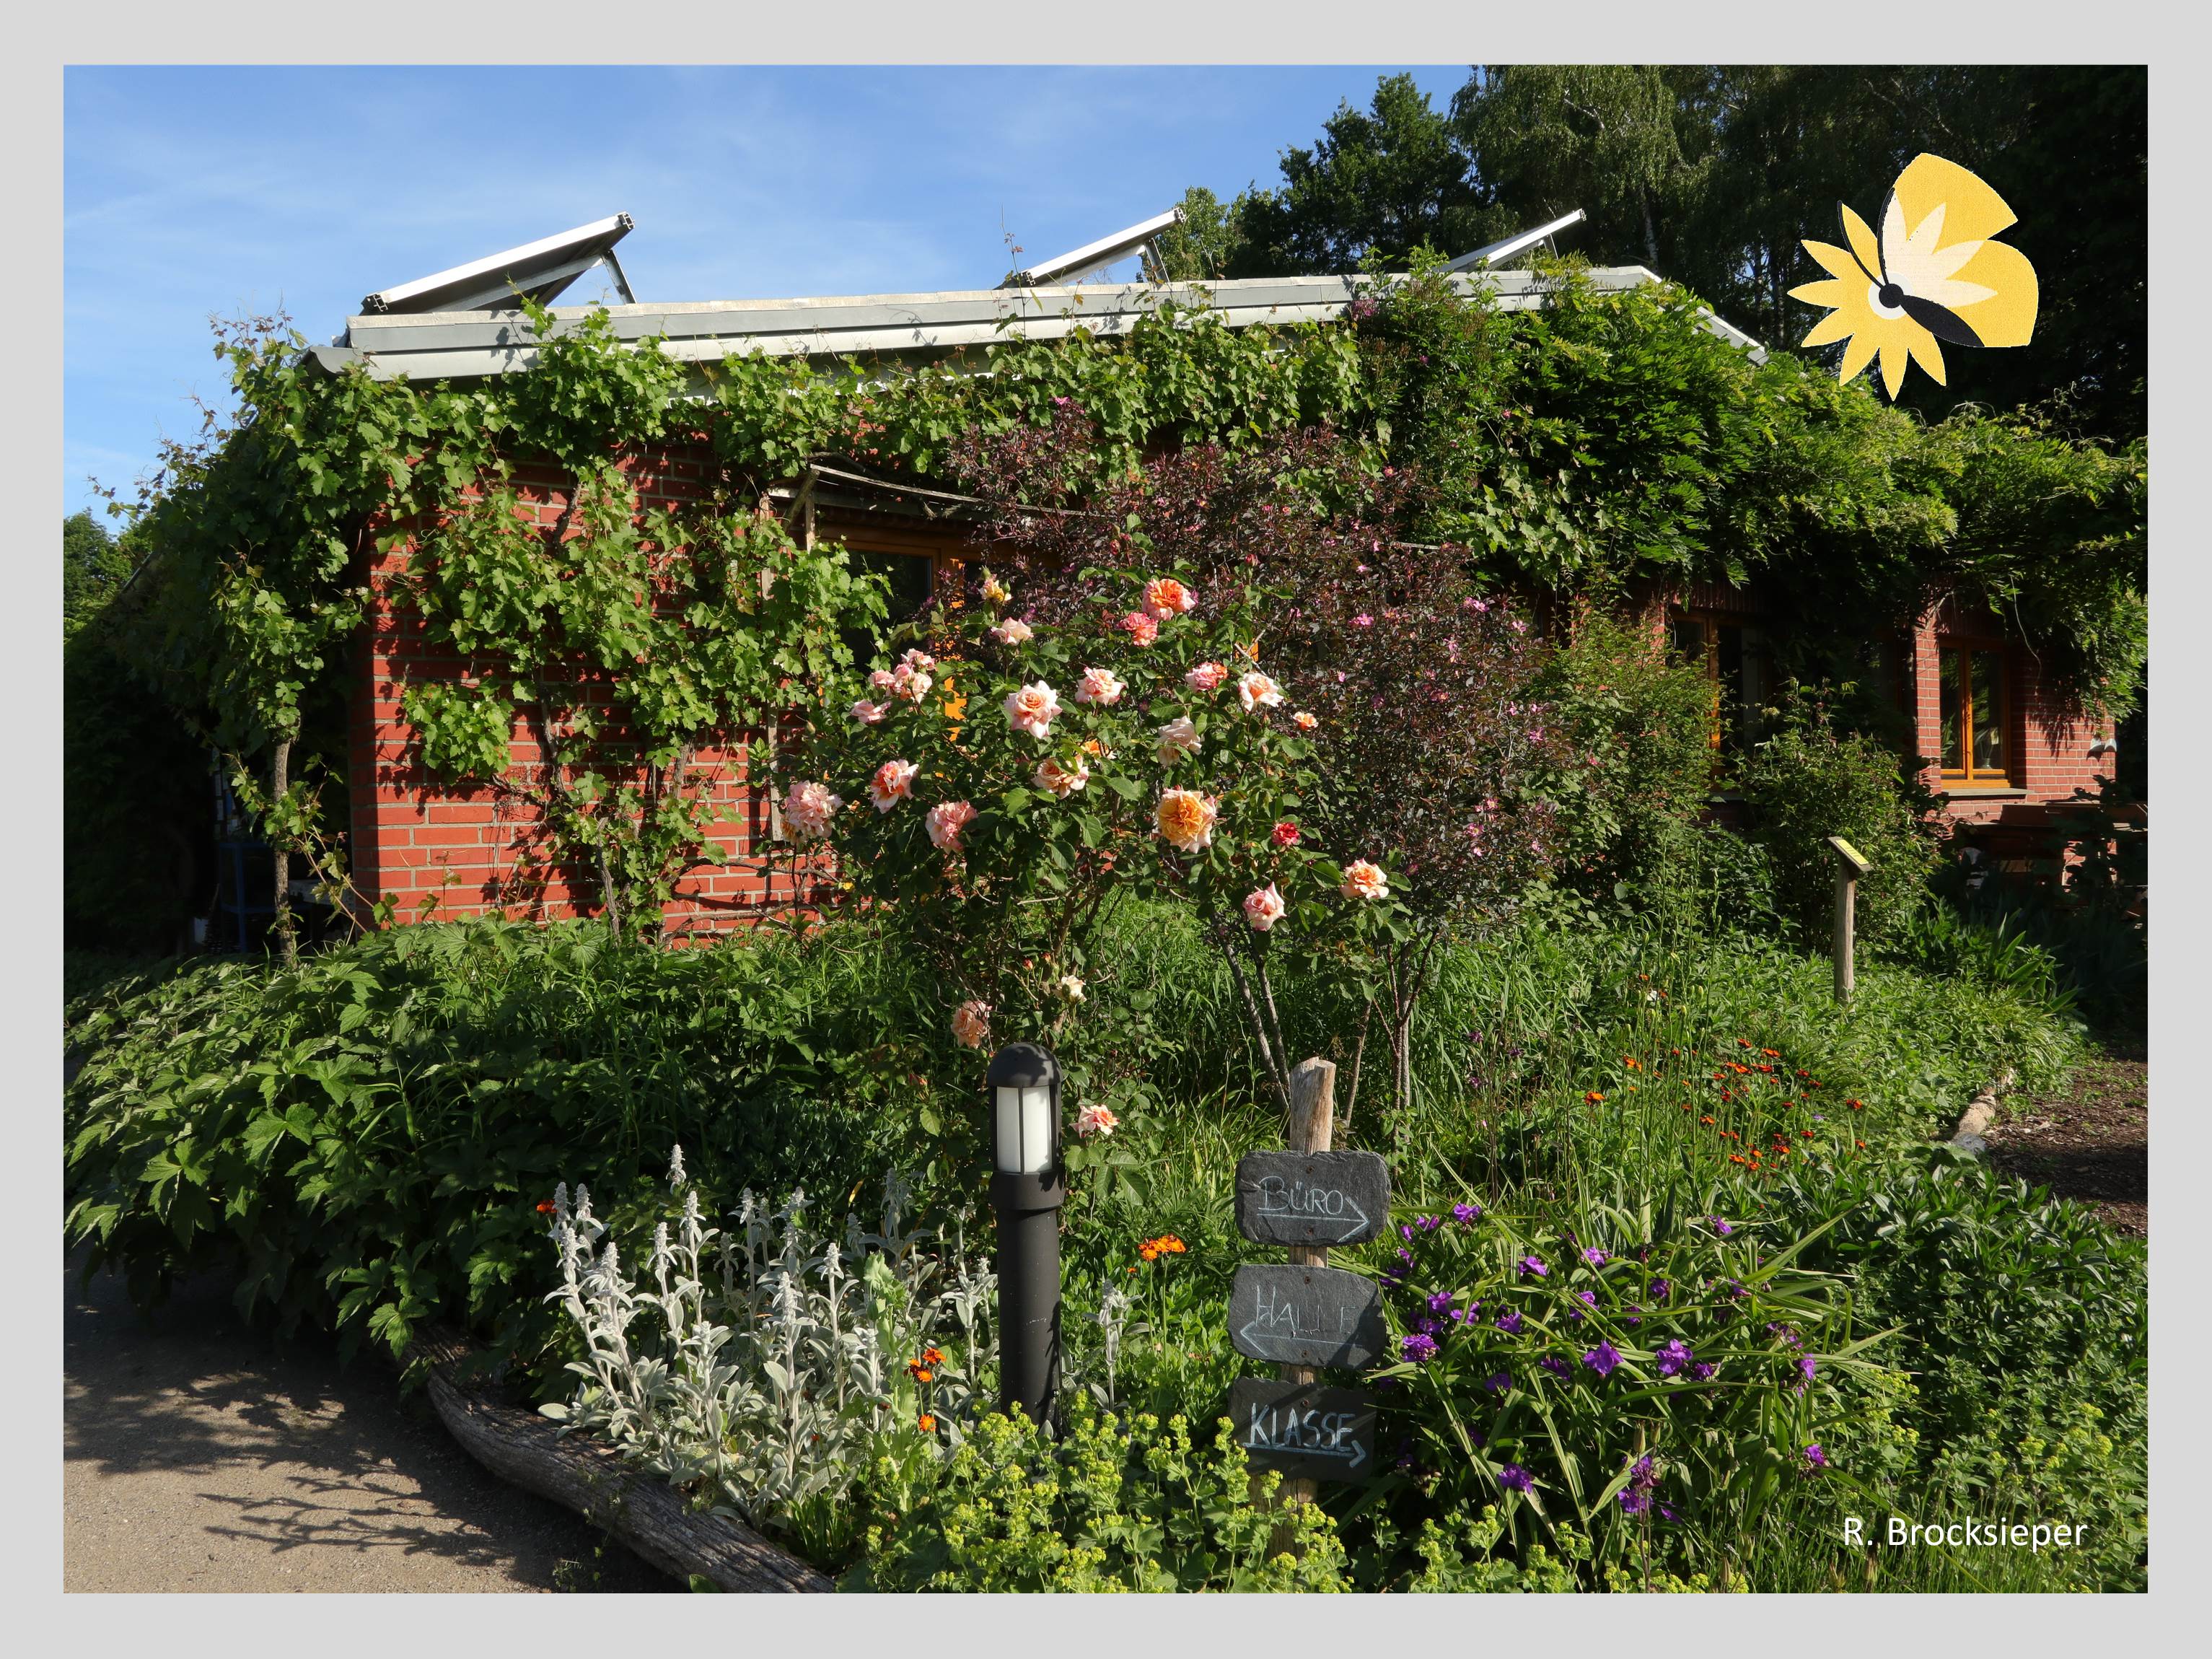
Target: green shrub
1809	781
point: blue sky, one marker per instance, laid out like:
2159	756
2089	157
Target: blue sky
192	192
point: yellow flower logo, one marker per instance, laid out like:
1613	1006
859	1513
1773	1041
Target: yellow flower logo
1934	274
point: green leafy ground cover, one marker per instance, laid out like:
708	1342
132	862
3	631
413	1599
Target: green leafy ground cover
365	1140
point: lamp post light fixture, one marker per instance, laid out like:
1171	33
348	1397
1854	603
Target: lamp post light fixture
1028	1187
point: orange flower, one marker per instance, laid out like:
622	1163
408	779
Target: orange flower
1741	1043
926	1423
1633	1064
1855	1105
1771	1054
1861	1145
1592	1095
1807	1133
1705	1119
546	1208
922	1373
933	1357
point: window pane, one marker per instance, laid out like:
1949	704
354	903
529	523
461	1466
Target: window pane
1690	639
909	577
1954	700
1989	712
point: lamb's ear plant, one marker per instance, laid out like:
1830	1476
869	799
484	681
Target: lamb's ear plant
764	1368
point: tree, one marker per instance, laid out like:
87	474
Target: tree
95	565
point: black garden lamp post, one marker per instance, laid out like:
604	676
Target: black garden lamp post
1028	1187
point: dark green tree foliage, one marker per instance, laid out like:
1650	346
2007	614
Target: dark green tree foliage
93	567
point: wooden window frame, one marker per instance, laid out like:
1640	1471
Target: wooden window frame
1710	624
1966	775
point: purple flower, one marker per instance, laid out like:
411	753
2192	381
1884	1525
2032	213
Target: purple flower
1720	1226
1405	1231
1515	1477
1557	1366
1666	1514
1510	1322
1631	1322
1498	1381
1588	1298
1736	1290
1429	1326
1441	1303
1597	1258
1806	1365
1645	1475
1703	1372
1533	1267
1466	1214
1633	1502
1674	1358
1816	1458
1602	1359
1428	1223
1420	1347
1660	1290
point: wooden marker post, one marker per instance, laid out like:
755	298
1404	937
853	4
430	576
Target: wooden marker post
1313	1126
1850	865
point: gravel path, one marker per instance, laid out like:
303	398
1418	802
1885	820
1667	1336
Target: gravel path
200	1456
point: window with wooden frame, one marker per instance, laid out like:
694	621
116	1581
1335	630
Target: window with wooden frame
1732	654
1975	712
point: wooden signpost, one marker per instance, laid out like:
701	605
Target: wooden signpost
1305	1315
1850	865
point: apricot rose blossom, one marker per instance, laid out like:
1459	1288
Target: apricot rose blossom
1032	708
1101	686
945	822
971	1023
1141	628
1206	677
1012	631
1167	599
892	783
1096	1120
1255	689
1052	775
870	714
1186	818
808	809
1362	880
1176	740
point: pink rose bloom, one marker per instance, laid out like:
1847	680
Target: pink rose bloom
1099	685
1096	1121
1285	834
881	679
909	682
1141	628
1362	880
1255	688
1264	908
1176	740
1051	775
971	1023
920	661
1303	722
1166	598
870	714
1012	631
1186	818
945	822
1033	708
893	783
1206	677
808	810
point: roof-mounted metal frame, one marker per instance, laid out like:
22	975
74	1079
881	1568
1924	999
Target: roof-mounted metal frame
1094	256
541	269
1498	253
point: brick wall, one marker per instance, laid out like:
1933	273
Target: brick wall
445	852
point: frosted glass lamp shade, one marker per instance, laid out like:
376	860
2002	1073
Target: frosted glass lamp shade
1024	1088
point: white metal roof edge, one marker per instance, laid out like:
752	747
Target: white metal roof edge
459	345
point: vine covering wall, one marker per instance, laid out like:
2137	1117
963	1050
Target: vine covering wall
637	635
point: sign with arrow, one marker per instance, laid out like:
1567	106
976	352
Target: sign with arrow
1312	1198
1304	1428
1300	1316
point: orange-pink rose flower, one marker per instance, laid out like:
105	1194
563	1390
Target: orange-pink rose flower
1051	775
1362	880
1166	598
1186	818
1032	708
945	822
893	783
971	1023
1264	908
808	809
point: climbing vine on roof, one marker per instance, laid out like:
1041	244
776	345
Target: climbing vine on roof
1608	440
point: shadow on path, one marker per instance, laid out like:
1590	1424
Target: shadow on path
200	1455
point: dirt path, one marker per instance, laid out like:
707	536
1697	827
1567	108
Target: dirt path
200	1456
2090	1142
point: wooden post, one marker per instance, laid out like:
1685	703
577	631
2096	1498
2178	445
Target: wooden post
1850	864
1312	1126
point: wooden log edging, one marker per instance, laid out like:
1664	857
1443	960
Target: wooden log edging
1970	1137
590	1477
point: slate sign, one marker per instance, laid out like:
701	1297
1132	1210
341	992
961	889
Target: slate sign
1312	1198
1304	1428
1298	1315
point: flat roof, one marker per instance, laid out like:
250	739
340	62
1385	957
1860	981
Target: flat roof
472	344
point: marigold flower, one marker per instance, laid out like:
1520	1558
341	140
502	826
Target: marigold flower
1141	628
892	783
1363	880
1206	677
1285	834
1096	1120
1186	818
1012	631
1052	775
870	714
1032	708
1178	738
809	808
971	1023
1166	598
1263	908
945	822
1101	686
1254	690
